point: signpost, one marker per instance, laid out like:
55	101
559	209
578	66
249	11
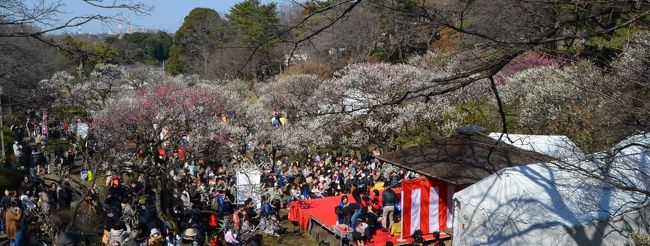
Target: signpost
2	132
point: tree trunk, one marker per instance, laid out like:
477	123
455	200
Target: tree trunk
163	213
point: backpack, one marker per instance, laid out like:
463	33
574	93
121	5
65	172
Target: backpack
220	201
266	209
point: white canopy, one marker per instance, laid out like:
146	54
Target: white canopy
556	146
558	203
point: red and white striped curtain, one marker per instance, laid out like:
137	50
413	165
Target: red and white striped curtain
426	205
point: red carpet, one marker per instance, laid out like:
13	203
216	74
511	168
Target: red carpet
323	210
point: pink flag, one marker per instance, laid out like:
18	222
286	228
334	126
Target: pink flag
44	124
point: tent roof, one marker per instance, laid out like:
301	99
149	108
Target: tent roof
461	159
564	196
556	146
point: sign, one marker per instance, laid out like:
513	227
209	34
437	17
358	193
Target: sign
249	186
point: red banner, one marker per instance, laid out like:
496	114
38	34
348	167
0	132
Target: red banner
426	206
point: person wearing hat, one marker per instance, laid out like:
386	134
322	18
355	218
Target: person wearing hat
189	238
155	238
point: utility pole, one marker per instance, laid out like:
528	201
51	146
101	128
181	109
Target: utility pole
2	132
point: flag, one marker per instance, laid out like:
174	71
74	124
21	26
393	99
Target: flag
44	131
426	205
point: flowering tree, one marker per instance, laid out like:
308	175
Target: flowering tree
543	95
292	94
92	92
527	62
630	81
360	105
143	119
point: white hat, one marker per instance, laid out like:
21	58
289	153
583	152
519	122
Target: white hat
189	234
154	231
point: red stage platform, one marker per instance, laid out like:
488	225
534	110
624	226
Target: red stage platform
322	209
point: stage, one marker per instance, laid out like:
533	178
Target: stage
322	211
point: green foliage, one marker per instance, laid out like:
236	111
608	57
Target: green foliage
69	110
87	54
254	23
10	137
203	30
175	64
147	48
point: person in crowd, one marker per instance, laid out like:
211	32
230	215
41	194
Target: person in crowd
26	186
13	216
340	210
5	203
396	227
232	238
361	232
155	238
436	239
389	201
18	150
203	185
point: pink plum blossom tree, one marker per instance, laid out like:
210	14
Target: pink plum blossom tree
144	119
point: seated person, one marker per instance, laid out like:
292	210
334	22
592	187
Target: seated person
436	239
340	210
361	233
396	228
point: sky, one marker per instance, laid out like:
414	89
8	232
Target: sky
167	15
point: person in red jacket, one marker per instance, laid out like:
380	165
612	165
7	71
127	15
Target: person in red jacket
213	223
181	153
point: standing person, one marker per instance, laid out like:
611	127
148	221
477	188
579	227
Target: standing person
18	150
52	196
5	203
388	199
14	214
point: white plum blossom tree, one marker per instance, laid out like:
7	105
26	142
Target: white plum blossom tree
541	95
93	92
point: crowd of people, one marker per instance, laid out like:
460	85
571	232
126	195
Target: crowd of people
204	205
22	206
200	195
368	202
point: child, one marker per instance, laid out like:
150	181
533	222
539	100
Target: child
396	228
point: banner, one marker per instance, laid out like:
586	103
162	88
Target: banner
426	205
44	131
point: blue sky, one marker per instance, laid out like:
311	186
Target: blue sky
167	15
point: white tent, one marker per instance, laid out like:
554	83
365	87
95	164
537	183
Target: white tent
543	204
556	146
